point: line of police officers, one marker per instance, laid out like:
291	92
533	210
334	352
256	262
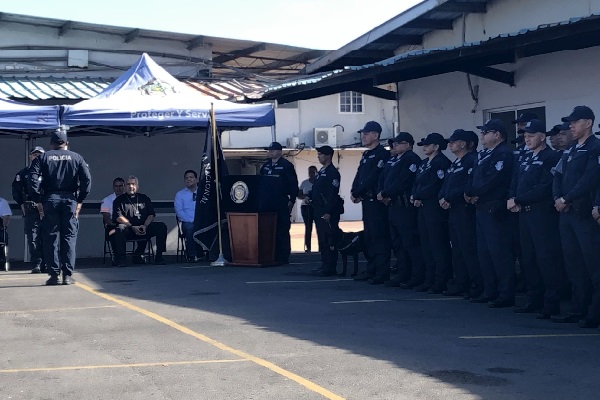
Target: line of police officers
453	225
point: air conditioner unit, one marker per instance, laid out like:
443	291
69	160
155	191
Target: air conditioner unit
325	136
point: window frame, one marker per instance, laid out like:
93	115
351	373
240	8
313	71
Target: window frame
352	104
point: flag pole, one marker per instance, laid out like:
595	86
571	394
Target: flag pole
220	262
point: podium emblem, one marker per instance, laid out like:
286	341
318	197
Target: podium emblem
239	192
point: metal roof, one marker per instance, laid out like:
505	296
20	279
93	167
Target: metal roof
231	57
405	29
70	90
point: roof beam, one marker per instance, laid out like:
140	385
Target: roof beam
195	42
303	58
239	53
476	8
64	28
493	74
376	55
132	35
376	92
399	39
426	23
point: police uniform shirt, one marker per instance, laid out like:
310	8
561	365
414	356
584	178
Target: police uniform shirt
533	180
59	171
398	181
326	189
457	178
20	193
430	177
367	176
492	174
577	173
285	170
134	208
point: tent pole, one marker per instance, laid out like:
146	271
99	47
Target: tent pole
220	262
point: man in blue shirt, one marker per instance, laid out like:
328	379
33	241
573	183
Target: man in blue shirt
185	208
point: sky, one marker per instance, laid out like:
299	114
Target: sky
315	24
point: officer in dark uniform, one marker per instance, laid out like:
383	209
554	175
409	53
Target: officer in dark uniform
31	216
488	190
394	190
364	191
276	165
560	137
59	181
328	207
467	281
433	220
530	197
576	178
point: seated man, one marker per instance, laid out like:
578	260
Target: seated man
106	209
185	208
135	215
5	214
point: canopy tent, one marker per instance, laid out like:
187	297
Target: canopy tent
147	99
22	120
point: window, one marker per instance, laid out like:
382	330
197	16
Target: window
507	116
351	102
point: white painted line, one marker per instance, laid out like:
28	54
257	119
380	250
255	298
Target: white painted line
359	301
54	309
530	336
309	281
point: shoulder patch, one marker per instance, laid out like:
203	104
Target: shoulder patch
499	165
18	177
412	168
440	173
470	171
335	183
380	164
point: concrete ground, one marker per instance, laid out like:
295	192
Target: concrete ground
184	331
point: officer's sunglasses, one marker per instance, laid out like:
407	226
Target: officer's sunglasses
486	132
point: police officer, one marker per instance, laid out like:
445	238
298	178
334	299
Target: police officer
327	205
433	220
364	191
394	190
461	216
560	137
488	190
530	197
576	177
276	165
32	223
59	181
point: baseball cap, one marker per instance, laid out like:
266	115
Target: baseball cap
461	134
534	126
579	112
371	126
434	138
402	137
274	146
325	150
525	117
556	129
37	149
58	137
493	125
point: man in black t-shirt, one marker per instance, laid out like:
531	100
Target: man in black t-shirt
135	215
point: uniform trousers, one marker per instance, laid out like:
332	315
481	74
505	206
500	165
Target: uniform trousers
579	237
435	244
467	273
541	255
33	235
325	229
59	229
377	239
404	233
494	250
283	245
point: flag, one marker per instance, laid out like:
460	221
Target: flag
205	218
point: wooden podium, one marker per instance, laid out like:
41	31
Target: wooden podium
252	238
251	203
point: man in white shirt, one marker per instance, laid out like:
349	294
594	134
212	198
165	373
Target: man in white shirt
106	209
305	208
185	208
5	214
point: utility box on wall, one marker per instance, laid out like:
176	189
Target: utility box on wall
325	137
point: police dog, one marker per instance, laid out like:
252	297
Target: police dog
348	244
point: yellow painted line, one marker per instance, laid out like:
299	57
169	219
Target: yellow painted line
157	364
530	336
53	309
264	363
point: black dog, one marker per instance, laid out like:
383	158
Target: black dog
348	244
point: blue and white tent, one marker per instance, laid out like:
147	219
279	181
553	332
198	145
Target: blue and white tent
148	96
19	118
